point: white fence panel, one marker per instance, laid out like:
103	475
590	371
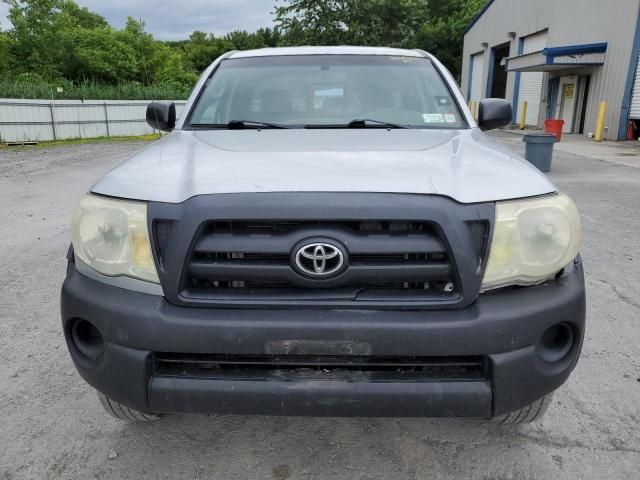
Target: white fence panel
40	120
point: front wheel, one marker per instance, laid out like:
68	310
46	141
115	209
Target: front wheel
528	414
124	413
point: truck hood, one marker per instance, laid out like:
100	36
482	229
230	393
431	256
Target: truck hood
465	165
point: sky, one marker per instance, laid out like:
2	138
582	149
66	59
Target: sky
175	20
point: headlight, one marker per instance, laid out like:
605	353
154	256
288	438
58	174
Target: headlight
532	241
111	237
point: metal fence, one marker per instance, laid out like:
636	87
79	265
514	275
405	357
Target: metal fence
39	120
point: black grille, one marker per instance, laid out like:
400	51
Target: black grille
387	260
161	233
381	367
402	251
480	237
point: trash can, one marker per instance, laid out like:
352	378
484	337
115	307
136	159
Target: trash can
539	150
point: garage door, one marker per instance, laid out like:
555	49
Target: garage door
477	71
531	82
634	111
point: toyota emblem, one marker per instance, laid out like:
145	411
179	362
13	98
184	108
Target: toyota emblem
319	259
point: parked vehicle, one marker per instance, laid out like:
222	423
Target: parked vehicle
325	231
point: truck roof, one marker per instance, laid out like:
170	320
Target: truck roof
343	50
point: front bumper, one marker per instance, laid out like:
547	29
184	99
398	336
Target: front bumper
503	328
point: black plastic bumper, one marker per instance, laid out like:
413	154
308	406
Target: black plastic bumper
504	328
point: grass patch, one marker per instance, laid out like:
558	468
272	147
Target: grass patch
76	141
91	91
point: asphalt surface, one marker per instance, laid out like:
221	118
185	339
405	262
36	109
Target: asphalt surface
51	425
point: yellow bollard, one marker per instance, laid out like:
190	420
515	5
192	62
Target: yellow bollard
472	107
600	125
523	119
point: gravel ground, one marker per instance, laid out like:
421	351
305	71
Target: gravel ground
51	425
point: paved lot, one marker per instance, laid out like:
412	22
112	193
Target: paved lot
51	425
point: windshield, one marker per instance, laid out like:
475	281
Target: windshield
326	91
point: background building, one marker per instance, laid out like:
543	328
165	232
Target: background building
563	57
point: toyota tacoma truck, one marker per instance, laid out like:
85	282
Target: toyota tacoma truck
325	232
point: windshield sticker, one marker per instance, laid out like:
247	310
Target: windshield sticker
450	118
432	118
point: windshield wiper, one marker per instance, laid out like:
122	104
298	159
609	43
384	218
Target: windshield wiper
362	123
240	124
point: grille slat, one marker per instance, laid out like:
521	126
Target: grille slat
360	273
230	270
360	243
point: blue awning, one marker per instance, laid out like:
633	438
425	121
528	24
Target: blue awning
559	58
576	49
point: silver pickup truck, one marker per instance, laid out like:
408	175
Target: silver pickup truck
325	231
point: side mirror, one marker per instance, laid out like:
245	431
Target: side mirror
162	115
494	113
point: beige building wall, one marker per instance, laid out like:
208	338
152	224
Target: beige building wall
569	22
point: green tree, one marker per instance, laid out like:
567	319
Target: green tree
243	40
391	23
58	41
314	22
84	17
156	62
443	34
270	37
433	25
100	55
5	58
38	35
201	49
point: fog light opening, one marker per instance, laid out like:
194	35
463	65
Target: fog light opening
556	342
87	339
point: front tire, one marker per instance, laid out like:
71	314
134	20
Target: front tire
528	414
124	413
